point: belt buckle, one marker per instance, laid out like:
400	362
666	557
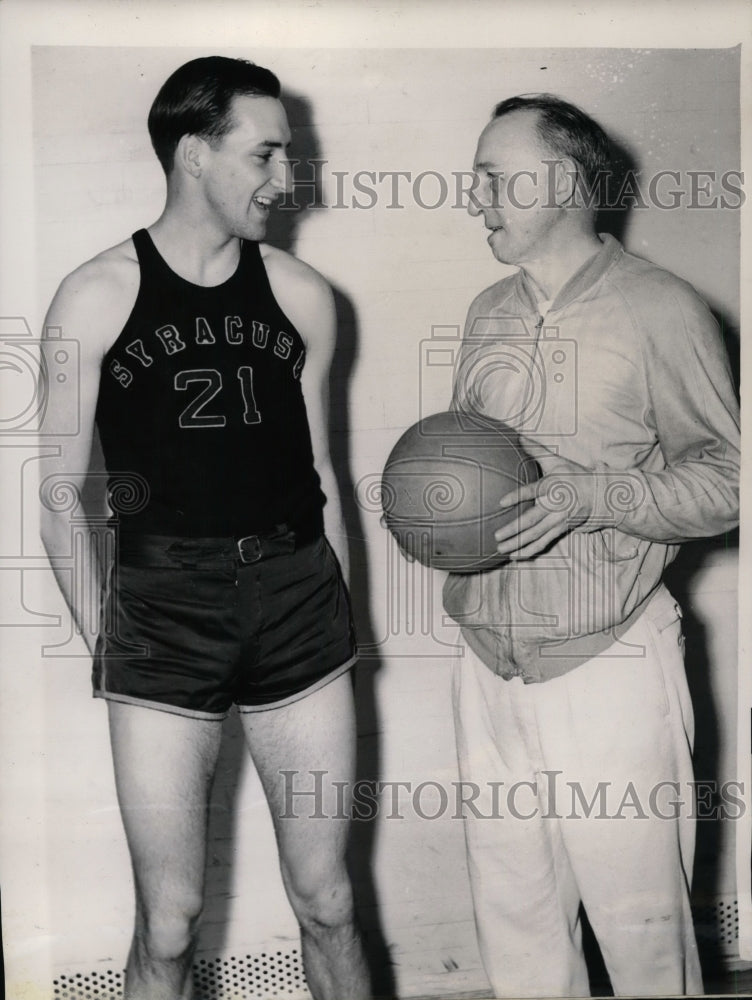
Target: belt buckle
255	554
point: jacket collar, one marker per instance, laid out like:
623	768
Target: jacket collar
585	277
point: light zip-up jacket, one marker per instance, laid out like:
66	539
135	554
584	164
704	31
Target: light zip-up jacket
626	375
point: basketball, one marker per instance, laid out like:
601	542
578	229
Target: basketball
441	487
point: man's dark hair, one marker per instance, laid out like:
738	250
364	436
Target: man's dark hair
567	131
197	100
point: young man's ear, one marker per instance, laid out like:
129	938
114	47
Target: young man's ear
189	154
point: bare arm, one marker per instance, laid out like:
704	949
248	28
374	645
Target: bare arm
87	308
307	299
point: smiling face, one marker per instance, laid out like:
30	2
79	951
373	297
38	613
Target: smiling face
246	170
514	192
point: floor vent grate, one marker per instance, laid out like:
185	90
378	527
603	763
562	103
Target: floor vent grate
717	924
240	977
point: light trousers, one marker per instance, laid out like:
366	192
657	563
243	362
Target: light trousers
583	794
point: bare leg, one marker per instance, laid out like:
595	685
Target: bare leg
164	766
316	733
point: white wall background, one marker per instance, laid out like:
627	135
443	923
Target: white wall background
398	274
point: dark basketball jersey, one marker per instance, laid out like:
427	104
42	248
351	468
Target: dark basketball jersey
200	396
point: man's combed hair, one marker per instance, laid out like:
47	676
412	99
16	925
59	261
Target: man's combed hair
197	100
567	131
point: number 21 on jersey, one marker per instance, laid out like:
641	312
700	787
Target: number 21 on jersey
207	383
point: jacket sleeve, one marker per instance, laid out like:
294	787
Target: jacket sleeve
694	412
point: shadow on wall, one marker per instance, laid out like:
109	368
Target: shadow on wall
285	218
613	218
680	579
368	762
709	727
306	149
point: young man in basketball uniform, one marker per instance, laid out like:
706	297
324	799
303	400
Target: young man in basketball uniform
204	363
571	695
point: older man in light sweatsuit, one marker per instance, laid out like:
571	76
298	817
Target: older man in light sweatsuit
571	704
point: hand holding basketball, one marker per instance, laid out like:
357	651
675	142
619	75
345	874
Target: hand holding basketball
560	501
441	489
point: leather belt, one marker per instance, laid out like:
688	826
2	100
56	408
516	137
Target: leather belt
164	551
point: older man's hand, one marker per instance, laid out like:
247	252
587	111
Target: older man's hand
563	499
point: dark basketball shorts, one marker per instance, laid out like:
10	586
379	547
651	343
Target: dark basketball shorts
193	626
